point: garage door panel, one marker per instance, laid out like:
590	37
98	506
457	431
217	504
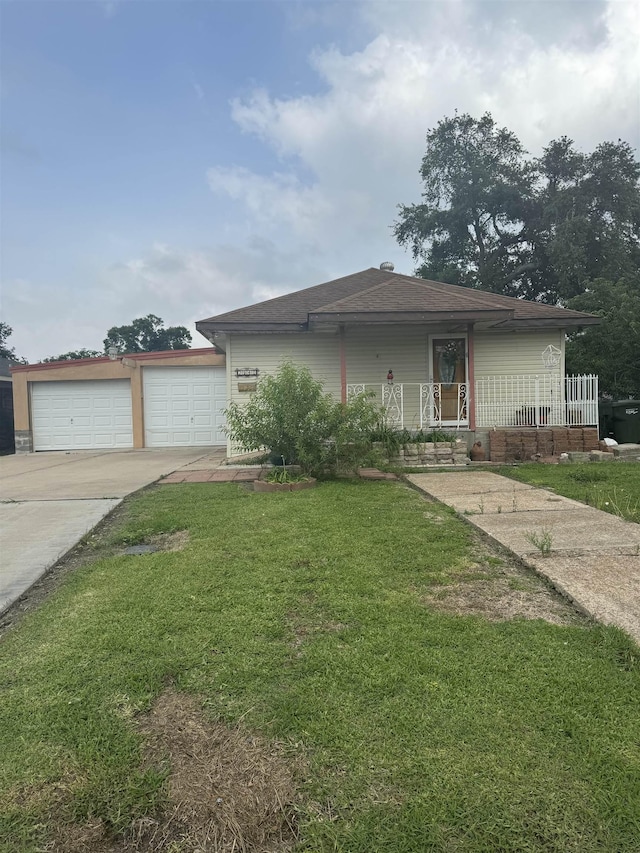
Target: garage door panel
180	421
196	397
204	436
87	414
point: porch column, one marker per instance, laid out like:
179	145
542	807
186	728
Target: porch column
471	393
343	366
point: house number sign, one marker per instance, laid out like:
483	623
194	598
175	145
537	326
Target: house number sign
246	371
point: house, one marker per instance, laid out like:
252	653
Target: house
154	399
435	355
6	405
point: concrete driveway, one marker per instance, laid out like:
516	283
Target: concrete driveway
48	501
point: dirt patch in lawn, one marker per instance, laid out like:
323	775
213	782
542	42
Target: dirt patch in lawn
176	541
499	589
303	632
228	791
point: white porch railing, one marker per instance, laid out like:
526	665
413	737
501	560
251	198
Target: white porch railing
500	401
536	400
418	405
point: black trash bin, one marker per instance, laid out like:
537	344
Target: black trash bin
605	419
626	421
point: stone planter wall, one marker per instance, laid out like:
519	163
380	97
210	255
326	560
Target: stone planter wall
428	454
525	445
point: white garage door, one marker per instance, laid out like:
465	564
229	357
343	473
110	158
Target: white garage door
184	406
83	415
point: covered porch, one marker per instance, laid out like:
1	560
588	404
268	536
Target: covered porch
528	400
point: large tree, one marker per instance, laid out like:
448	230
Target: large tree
147	334
587	220
477	193
494	218
612	349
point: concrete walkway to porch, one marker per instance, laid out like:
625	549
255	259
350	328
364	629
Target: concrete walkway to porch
594	558
210	468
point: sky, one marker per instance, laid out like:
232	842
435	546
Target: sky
184	158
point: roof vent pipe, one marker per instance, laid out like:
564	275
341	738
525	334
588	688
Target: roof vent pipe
387	266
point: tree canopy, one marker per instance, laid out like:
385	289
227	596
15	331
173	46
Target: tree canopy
73	355
147	334
612	349
5	350
494	218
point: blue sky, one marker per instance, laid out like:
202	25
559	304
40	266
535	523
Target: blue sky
184	158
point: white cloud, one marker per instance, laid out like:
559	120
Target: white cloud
350	154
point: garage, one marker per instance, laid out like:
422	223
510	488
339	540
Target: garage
184	406
173	398
81	415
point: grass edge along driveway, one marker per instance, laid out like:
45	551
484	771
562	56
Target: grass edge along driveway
308	619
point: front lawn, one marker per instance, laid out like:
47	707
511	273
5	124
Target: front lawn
611	486
300	633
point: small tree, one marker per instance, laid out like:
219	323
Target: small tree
296	421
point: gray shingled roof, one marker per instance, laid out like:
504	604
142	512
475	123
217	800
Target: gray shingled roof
375	295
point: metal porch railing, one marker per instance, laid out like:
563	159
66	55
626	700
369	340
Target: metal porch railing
530	400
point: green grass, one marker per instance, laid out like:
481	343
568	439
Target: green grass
611	486
420	731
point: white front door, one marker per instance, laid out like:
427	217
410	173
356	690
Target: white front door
83	415
184	406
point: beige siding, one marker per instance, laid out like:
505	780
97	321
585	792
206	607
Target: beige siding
319	352
514	353
372	352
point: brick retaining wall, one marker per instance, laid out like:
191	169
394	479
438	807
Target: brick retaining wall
521	445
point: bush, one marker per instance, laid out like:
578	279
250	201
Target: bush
298	423
395	439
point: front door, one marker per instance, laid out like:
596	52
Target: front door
449	366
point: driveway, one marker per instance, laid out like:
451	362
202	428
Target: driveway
48	501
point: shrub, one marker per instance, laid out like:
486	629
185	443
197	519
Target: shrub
395	439
298	423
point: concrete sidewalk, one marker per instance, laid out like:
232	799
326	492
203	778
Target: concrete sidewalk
595	556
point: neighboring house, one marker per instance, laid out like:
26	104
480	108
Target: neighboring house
435	355
155	399
6	405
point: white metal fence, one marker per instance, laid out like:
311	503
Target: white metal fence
501	401
536	400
